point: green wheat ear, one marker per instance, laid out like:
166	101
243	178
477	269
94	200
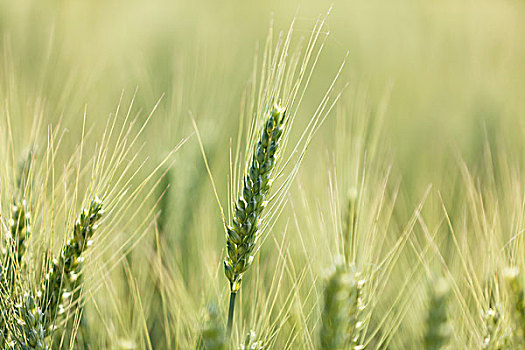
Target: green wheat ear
494	337
65	271
438	331
16	245
343	310
20	228
30	331
517	298
19	224
242	234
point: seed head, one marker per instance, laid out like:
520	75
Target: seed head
343	310
242	234
64	271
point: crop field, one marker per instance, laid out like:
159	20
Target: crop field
295	174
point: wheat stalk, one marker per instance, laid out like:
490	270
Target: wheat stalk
350	227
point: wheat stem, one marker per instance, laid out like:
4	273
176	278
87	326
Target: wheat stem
231	310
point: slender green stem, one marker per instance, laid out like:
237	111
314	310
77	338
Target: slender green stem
230	313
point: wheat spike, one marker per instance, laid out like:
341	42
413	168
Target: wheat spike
343	310
30	331
65	270
494	337
438	328
517	298
212	335
243	232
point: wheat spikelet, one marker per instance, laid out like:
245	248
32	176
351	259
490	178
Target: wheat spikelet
438	329
64	271
343	309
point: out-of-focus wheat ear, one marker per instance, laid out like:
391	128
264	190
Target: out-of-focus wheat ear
213	336
350	227
19	223
65	270
342	317
16	242
517	305
30	331
494	337
438	330
21	229
243	232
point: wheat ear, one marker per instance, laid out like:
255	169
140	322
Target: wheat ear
517	297
243	232
19	232
343	310
65	270
30	331
438	328
494	337
212	335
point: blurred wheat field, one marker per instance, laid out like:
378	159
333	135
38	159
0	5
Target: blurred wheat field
361	173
